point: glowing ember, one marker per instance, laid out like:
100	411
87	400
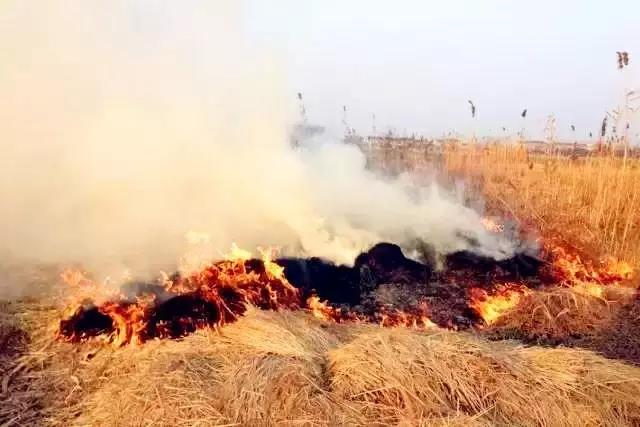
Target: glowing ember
417	318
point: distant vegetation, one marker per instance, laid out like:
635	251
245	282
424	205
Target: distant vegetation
589	199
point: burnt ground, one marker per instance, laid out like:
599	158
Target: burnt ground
383	279
620	337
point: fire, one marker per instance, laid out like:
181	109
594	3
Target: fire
619	269
320	310
219	292
274	270
571	270
414	320
592	289
491	306
417	318
82	287
492	225
238	254
566	269
213	296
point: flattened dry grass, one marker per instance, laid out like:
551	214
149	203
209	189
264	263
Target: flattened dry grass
397	374
558	315
291	369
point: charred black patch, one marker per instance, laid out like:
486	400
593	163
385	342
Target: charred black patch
340	284
387	264
87	321
520	266
254	265
336	283
181	315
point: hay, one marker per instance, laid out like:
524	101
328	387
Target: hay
395	373
560	315
291	369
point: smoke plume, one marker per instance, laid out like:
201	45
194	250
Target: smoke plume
127	125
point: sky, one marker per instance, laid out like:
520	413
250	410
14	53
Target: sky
415	64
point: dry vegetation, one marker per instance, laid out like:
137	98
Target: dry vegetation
288	368
592	202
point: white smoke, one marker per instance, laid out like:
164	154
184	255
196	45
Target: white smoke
126	124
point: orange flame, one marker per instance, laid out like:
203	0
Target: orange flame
491	306
571	270
213	296
320	310
416	319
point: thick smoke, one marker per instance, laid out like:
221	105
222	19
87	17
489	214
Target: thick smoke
125	125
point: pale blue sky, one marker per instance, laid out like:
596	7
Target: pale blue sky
415	63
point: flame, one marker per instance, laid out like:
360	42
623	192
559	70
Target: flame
571	270
568	269
274	270
491	306
414	320
492	225
219	292
592	289
215	295
238	254
320	310
385	317
82	287
620	269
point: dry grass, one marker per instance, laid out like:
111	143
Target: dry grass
290	369
562	315
553	316
397	374
592	202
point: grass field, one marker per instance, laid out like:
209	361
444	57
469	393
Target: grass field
592	202
288	368
291	369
